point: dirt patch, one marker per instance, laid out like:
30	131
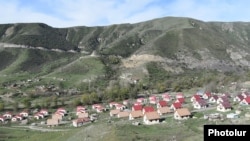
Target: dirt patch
138	60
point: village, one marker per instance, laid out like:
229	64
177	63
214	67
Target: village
153	109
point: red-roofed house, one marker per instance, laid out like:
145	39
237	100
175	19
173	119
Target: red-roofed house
137	108
61	110
38	115
245	101
238	98
162	103
180	100
141	100
200	104
2	118
195	98
120	107
7	115
213	98
166	97
224	107
17	118
125	102
95	106
222	99
100	109
24	113
245	94
206	95
44	112
153	99
80	121
135	114
137	103
113	104
80	108
176	105
147	109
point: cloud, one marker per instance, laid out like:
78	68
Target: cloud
66	13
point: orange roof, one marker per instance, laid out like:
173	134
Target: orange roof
183	112
152	115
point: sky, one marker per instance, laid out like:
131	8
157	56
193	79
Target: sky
68	13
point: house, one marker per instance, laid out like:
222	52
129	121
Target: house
245	101
213	98
135	114
180	100
162	103
24	113
245	94
200	104
147	109
176	105
61	110
120	107
83	115
207	95
195	98
222	99
182	113
137	108
80	108
57	116
100	109
113	104
7	115
17	118
153	99
123	114
60	113
151	118
238	98
164	110
44	112
38	115
228	95
114	112
166	97
95	106
141	100
79	111
80	122
2	118
52	122
179	95
224	107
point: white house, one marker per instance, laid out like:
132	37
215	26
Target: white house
245	101
182	113
224	107
151	118
200	104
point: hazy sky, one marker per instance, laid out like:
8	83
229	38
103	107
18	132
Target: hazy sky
66	13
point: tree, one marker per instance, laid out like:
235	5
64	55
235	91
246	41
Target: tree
2	106
27	103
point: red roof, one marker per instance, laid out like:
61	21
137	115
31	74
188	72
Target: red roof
137	107
177	105
148	109
196	97
247	99
181	100
163	103
209	94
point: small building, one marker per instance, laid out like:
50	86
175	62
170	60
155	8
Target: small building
200	104
123	114
179	95
180	100
161	103
245	101
213	99
114	112
137	108
80	122
59	117
151	118
224	107
164	110
147	109
135	115
45	112
52	122
24	113
195	98
176	105
182	113
83	115
7	115
166	97
206	95
238	98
